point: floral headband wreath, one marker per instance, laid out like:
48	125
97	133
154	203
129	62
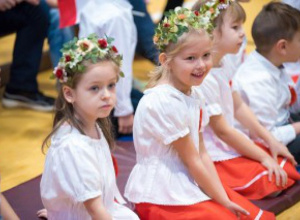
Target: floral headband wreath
78	50
179	20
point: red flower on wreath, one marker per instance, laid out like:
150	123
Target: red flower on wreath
166	25
196	13
59	73
114	49
102	43
68	58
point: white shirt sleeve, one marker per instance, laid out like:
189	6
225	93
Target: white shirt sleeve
211	92
75	171
166	117
262	105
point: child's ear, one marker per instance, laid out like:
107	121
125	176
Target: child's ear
281	46
162	58
68	94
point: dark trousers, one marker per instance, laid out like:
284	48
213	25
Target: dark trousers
145	31
30	24
294	146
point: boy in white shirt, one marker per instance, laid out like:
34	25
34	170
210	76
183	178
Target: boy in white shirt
261	79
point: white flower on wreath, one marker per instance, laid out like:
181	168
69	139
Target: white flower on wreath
103	52
75	61
84	46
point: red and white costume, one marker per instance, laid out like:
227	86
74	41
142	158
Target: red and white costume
160	185
246	176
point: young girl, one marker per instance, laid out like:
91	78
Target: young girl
79	180
174	177
241	164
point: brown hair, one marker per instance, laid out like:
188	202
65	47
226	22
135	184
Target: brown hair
235	10
64	111
171	51
274	22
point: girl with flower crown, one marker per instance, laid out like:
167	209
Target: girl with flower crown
174	178
244	166
78	181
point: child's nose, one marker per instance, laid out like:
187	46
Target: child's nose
242	33
106	93
200	63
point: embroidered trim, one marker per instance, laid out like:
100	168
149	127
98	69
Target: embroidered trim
293	95
200	121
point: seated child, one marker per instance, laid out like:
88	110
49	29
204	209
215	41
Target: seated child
174	177
232	151
78	181
262	81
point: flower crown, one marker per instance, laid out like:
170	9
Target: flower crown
179	20
77	50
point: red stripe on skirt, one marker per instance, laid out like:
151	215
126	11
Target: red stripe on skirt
207	210
238	172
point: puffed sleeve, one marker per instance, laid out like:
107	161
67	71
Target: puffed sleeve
164	115
211	92
74	171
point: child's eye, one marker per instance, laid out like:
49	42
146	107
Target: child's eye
94	88
235	27
206	55
190	58
111	85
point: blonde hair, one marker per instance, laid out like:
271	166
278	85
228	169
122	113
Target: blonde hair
64	111
234	9
171	50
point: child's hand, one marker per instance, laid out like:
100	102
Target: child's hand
273	167
42	213
125	124
236	209
278	148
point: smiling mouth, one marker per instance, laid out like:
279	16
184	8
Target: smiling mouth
197	74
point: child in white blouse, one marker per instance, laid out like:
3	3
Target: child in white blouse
78	181
232	151
174	177
262	80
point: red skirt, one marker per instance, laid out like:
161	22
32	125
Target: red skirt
207	210
250	178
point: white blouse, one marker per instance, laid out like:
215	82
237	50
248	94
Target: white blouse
164	115
264	87
79	168
217	91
